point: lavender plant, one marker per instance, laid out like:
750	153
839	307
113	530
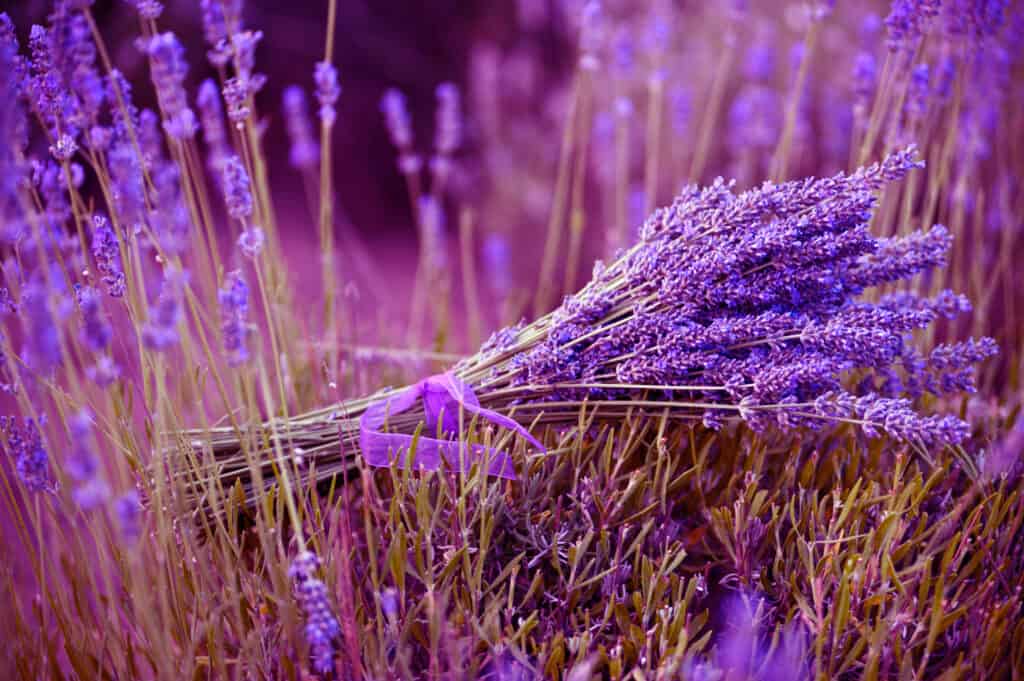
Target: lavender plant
731	308
750	447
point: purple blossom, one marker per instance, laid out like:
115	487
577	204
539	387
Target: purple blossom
169	68
244	44
237	191
64	148
322	629
211	113
895	417
396	115
221	19
82	465
46	87
917	93
236	94
161	330
1006	456
744	307
150	139
215	29
42	350
13	123
106	253
945	78
902	257
119	91
870	27
681	107
976	20
251	242
448	119
211	117
327	90
96	331
31	459
128	512
234	313
760	63
865	79
104	372
755	119
305	152
497	263
907	22
79	66
432	234
148	9
592	34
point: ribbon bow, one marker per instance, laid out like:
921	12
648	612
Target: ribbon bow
443	396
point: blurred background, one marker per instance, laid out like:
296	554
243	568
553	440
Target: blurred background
412	46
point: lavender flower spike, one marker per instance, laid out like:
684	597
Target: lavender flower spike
169	68
107	255
161	331
396	115
148	9
211	115
82	465
449	119
96	331
128	511
907	22
397	119
757	295
322	629
43	345
327	91
234	310
237	191
31	460
304	151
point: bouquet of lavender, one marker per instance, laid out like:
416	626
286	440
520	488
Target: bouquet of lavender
746	307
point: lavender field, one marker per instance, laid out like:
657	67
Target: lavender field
536	339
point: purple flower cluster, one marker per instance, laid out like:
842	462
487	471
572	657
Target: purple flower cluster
107	255
96	332
908	20
83	467
322	629
13	123
448	120
748	307
448	128
234	313
31	461
399	124
221	19
161	331
211	117
42	350
304	150
237	190
327	91
169	68
128	511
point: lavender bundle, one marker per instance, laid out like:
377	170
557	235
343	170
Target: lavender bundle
731	307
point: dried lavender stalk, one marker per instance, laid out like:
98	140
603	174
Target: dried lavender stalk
731	308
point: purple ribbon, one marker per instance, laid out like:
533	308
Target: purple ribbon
443	395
